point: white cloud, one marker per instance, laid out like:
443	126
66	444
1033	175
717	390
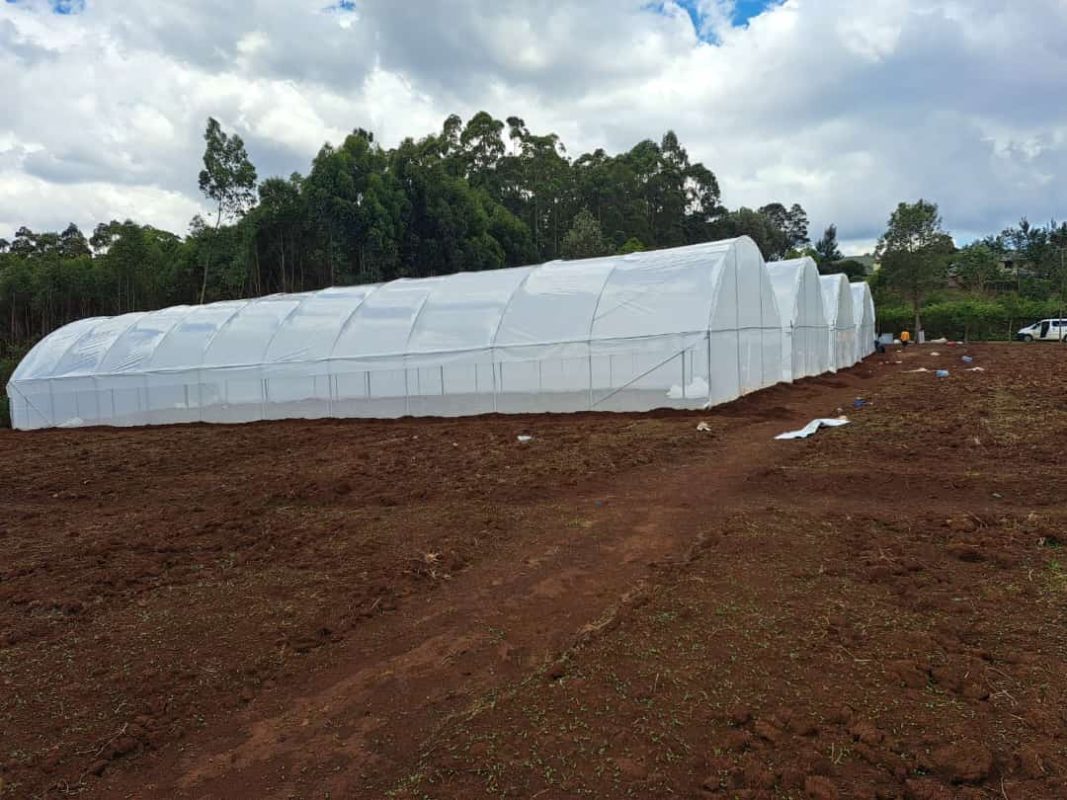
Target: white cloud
43	205
844	107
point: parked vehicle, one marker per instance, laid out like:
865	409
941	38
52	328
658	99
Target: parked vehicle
1047	330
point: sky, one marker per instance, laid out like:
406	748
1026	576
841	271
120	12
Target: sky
845	107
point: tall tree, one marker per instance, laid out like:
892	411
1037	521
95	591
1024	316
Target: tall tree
914	253
539	183
72	243
792	222
228	178
797	226
278	236
584	239
826	248
977	267
482	148
759	227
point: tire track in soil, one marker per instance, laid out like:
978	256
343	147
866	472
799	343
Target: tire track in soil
356	729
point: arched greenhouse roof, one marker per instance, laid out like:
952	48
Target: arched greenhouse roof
604	332
640	294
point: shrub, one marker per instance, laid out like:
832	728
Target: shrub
969	319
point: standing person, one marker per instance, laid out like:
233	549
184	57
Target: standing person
905	338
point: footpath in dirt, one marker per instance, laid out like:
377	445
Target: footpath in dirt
622	607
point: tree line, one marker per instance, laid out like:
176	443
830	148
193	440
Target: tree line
980	290
480	194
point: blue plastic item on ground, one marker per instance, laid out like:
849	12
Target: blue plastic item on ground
968	360
942	373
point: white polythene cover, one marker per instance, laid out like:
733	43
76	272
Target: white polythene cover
837	303
683	327
804	327
863	313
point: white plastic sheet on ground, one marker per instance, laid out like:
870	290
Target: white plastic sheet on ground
813	426
805	330
685	328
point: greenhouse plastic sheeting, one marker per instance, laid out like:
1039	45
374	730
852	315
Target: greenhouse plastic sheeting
682	328
804	327
863	314
837	303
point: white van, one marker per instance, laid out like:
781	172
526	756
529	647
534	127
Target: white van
1047	330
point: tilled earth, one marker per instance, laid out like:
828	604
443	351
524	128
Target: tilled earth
621	607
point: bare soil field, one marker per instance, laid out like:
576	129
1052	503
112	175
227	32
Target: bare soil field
623	606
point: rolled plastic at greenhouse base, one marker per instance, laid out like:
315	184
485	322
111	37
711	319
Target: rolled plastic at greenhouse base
682	328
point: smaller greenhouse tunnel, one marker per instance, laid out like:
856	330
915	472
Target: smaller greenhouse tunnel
805	330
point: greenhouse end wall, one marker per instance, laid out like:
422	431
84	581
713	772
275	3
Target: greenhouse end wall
679	328
805	330
837	302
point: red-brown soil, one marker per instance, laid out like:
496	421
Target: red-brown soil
622	607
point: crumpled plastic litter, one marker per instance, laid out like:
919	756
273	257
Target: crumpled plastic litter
813	426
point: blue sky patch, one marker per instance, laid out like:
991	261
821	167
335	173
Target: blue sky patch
341	5
64	7
743	11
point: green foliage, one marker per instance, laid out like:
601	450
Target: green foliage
914	253
481	195
854	270
977	268
228	178
826	250
772	241
969	318
631	245
792	222
477	195
584	239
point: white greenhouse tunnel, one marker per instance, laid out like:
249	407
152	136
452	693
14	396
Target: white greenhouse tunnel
841	339
684	328
863	314
805	330
690	327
